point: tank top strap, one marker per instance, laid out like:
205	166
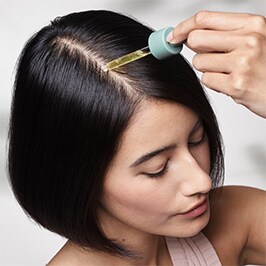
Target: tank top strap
192	251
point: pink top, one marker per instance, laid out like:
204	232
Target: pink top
192	251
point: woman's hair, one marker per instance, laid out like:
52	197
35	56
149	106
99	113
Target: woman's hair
68	117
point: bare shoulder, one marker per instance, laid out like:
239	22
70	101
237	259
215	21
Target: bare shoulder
66	256
59	259
71	254
236	224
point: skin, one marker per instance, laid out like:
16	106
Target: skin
138	210
237	226
234	66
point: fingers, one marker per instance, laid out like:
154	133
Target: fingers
228	84
240	90
219	82
209	41
231	50
213	62
208	20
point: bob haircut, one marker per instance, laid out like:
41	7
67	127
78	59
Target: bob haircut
68	117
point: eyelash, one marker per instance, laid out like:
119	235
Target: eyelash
165	168
201	141
160	173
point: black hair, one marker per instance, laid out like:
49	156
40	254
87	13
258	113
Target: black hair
68	117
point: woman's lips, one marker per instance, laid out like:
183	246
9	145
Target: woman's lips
197	210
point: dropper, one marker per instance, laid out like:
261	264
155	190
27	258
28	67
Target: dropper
157	46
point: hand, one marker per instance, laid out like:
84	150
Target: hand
231	53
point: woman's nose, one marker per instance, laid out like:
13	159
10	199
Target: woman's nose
195	180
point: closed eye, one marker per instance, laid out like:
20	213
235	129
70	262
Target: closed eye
199	142
160	173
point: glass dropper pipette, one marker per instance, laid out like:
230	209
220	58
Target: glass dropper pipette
157	46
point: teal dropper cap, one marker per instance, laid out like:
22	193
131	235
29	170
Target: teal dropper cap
159	47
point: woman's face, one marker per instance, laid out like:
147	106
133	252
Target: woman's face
160	172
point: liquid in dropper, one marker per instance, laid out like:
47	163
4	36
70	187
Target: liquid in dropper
123	60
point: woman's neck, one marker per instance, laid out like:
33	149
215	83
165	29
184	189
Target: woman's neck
150	249
153	251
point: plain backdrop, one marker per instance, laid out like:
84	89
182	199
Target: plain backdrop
22	242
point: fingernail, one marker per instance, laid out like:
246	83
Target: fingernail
170	37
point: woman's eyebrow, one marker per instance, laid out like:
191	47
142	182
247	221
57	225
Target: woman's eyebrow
152	154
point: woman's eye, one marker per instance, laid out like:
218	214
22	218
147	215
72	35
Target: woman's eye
198	142
160	173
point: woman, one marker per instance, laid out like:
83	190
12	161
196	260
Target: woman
124	163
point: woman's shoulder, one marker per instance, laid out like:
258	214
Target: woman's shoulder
235	199
234	216
231	203
68	255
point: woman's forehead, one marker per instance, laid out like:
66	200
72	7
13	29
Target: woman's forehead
155	123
